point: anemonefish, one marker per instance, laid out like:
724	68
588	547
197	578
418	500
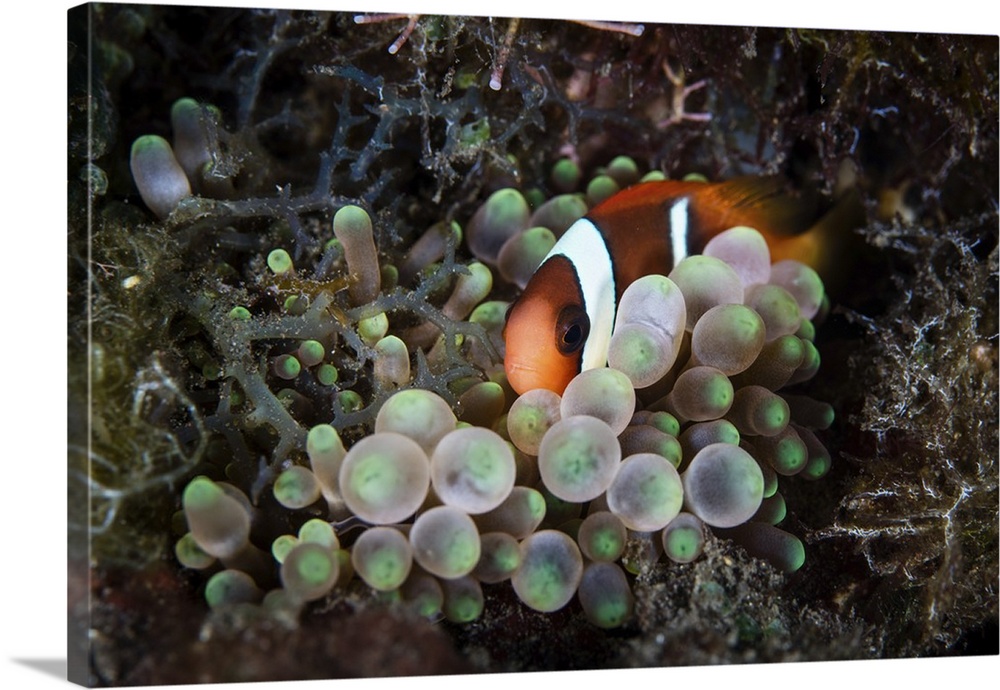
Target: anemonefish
562	322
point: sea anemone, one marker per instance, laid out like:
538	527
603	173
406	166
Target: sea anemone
459	480
685	433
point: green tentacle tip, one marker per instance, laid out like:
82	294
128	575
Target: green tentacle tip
353	219
190	554
566	175
201	492
681	543
537	505
311	352
600	188
489	314
373	328
623	170
605	544
605	595
795	555
602	536
816	467
185	104
390	276
665	422
149	142
287	366
319	532
534	197
296	305
314	564
684	538
350	401
790	455
463	601
550	572
323	438
239	314
296	487
774	414
718	392
282	545
279	261
382	557
231	587
327	374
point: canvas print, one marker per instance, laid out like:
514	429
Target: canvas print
411	345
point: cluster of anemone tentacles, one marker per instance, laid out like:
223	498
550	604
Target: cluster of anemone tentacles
686	432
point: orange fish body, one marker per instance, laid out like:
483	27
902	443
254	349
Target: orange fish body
561	324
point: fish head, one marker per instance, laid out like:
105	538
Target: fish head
546	330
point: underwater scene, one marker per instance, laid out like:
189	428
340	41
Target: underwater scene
414	344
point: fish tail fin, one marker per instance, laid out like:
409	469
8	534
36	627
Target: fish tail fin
826	243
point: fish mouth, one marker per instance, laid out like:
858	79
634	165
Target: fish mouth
521	376
518	367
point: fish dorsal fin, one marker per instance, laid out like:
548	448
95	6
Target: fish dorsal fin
768	204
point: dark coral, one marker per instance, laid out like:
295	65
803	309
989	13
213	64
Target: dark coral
901	536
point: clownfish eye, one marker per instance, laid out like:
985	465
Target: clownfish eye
572	329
